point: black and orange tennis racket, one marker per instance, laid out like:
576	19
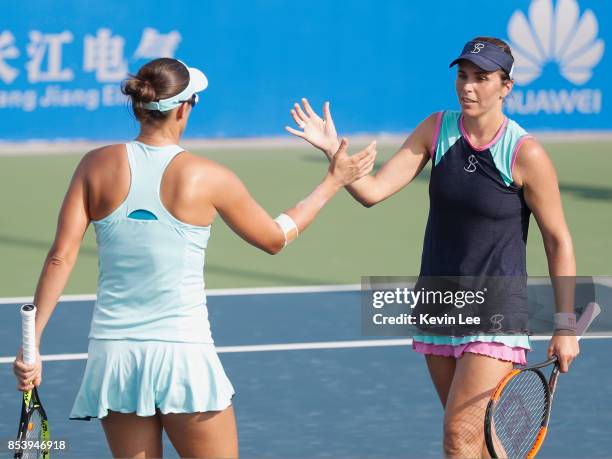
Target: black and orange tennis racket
33	434
516	420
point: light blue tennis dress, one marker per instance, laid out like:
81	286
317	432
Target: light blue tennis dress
150	345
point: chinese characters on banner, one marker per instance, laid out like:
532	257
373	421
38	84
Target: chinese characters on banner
104	57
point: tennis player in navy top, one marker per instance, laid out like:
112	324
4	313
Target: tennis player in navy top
488	176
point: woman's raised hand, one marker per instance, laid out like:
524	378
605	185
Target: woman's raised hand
320	132
346	169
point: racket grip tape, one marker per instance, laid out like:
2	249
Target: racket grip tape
591	311
28	333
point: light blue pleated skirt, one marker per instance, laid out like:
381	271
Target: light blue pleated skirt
143	377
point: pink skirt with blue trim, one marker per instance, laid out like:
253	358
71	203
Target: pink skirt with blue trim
498	351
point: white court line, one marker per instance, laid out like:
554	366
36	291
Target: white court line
29	299
260	348
368	343
216	292
606	281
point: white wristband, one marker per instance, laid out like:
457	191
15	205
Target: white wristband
286	224
565	321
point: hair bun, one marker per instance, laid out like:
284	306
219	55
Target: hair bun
159	79
139	89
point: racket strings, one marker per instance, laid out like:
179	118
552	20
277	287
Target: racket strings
519	413
34	434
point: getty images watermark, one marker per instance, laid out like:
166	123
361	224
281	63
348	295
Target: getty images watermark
412	298
460	306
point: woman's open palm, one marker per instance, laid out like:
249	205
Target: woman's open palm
320	132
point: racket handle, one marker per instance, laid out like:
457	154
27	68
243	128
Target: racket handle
28	333
591	311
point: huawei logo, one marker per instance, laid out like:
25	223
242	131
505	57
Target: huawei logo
556	34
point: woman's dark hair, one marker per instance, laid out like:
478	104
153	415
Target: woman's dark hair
159	79
500	44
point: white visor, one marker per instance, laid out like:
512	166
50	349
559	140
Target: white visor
197	82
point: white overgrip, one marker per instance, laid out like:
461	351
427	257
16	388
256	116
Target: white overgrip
28	333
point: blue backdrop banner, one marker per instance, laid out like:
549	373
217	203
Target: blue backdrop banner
382	64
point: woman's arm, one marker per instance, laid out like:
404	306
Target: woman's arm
251	222
534	171
399	170
394	175
72	224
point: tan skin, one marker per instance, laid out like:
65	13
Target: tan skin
194	190
464	385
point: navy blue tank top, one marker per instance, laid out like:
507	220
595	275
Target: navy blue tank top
476	233
478	218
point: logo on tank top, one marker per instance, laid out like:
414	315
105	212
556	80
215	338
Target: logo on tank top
496	320
471	167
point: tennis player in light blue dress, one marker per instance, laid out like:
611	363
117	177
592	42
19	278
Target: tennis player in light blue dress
152	364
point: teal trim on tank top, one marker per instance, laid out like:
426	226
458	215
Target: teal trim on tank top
151	268
503	150
449	133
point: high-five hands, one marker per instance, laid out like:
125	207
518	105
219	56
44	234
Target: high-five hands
346	169
320	132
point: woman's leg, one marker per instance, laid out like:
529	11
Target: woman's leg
203	435
442	371
133	436
476	376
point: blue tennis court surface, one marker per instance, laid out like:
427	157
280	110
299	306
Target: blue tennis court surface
342	398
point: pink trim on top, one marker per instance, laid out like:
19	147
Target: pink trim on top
516	149
434	140
499	133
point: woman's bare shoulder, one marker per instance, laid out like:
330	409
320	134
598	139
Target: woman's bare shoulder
105	153
194	164
532	163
